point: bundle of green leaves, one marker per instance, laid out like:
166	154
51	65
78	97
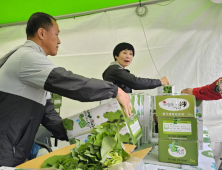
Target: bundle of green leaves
68	124
103	150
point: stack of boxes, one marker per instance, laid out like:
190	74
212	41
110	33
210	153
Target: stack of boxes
84	122
178	132
57	101
180	125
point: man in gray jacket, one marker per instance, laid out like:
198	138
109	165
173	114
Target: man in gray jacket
25	76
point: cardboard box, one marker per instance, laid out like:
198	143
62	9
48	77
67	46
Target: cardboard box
182	152
37	162
177	128
166	89
84	122
175	106
199	115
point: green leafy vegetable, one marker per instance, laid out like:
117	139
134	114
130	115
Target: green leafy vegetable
72	141
125	138
198	102
68	124
114	116
103	150
107	145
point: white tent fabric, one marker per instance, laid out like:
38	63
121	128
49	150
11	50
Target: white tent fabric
184	39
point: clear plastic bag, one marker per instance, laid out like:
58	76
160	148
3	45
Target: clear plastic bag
133	163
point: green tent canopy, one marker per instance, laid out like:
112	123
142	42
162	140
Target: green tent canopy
15	11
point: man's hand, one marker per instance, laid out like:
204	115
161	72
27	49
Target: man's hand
188	91
165	81
124	100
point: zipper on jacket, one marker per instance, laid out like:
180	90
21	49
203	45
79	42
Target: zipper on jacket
13	149
20	137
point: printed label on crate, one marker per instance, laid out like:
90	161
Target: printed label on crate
135	127
174	104
176	151
170	127
177	128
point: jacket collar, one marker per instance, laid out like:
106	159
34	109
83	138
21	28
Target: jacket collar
28	43
32	44
116	63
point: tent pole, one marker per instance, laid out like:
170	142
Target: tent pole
92	11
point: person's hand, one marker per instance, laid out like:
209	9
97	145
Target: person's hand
164	81
188	91
124	100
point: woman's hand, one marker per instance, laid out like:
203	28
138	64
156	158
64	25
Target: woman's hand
164	81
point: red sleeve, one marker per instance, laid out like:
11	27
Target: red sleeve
208	92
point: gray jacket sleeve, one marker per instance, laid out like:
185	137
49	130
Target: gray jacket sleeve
125	77
77	87
34	69
53	122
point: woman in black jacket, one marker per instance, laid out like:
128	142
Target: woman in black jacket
123	55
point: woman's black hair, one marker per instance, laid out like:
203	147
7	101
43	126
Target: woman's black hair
38	20
120	47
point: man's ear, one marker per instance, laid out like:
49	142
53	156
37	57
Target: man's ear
116	57
41	33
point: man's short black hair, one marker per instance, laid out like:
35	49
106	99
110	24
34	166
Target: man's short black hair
120	47
38	20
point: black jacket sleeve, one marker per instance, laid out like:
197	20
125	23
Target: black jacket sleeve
53	122
77	87
125	77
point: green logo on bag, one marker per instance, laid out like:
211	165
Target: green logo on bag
208	154
82	123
